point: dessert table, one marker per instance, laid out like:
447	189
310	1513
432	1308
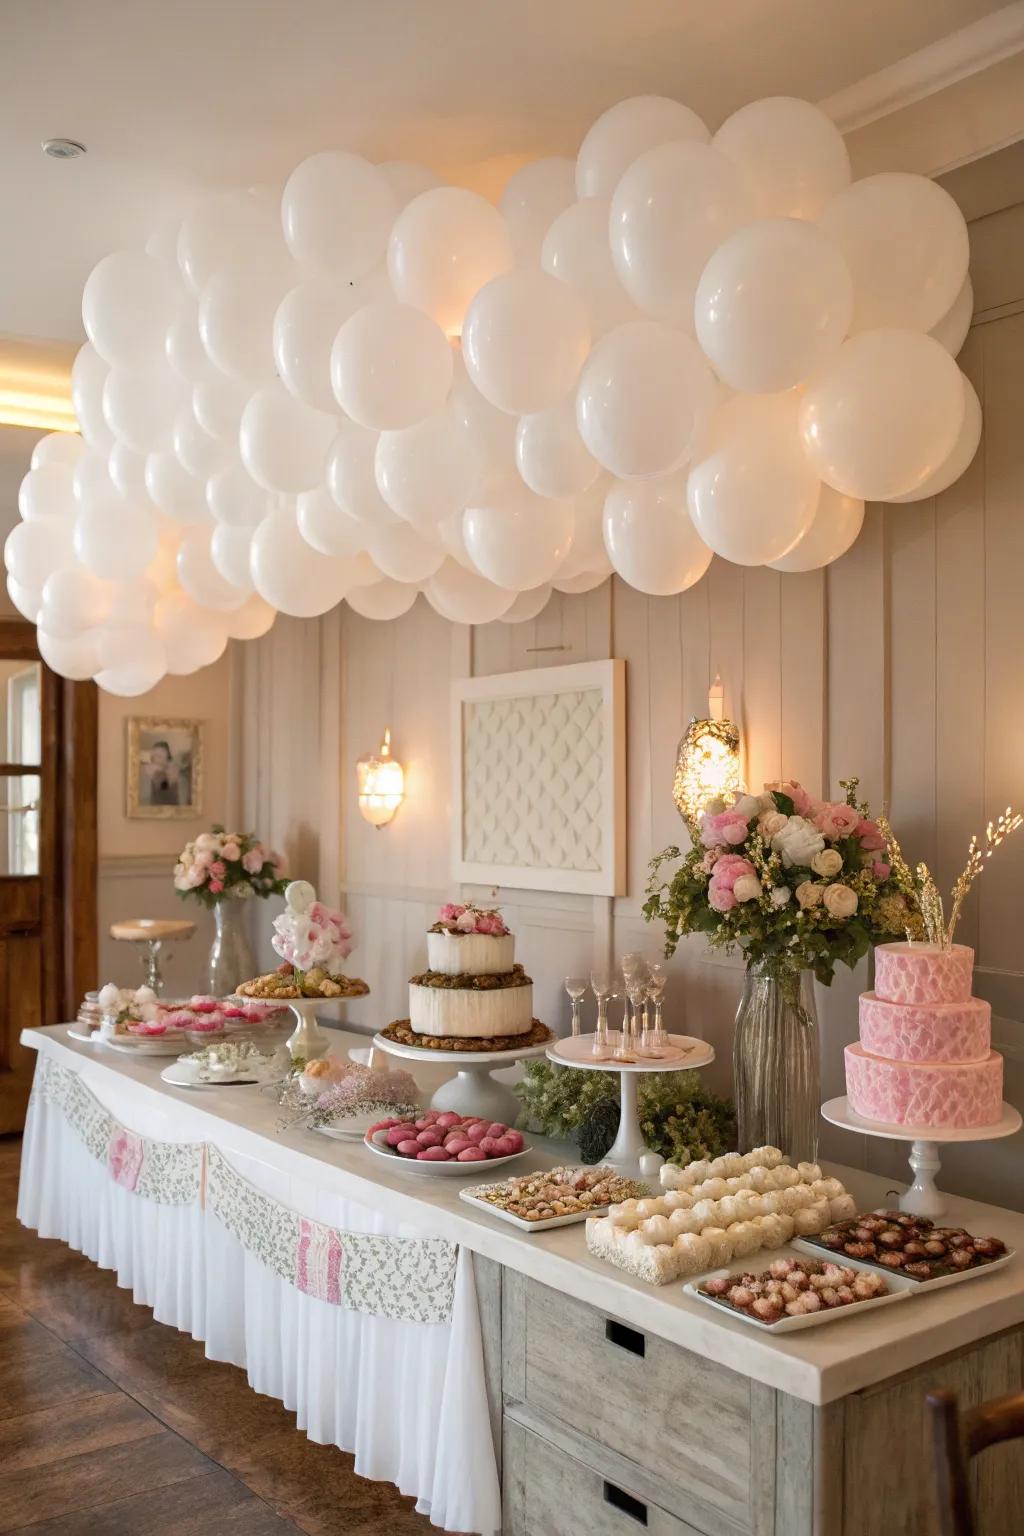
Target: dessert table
534	1377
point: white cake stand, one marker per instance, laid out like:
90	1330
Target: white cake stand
307	1040
629	1153
923	1198
472	1091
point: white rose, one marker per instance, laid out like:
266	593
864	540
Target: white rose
206	840
747	888
798	841
299	896
780	895
770	823
840	900
747	805
828	862
808	894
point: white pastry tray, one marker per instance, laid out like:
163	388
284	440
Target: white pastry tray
815	1250
900	1288
529	1226
451	1169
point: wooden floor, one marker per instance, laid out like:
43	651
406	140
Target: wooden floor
114	1425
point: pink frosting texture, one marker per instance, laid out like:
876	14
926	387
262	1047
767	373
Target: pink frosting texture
955	1032
920	973
932	1095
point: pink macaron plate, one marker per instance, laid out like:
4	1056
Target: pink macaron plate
446	1143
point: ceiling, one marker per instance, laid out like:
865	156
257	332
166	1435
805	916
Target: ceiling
174	100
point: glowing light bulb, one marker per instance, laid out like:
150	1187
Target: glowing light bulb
380	781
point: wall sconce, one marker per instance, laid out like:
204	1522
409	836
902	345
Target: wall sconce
381	785
708	764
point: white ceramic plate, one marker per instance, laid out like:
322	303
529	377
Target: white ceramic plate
180	1077
451	1169
528	1226
899	1289
354	1129
818	1250
145	1045
459	1058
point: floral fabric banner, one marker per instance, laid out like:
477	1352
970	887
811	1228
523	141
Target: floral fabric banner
402	1278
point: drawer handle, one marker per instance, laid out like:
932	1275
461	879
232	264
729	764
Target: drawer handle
618	1498
625	1338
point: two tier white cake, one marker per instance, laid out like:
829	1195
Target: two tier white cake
473	989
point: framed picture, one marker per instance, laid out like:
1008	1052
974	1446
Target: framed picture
164	774
539	792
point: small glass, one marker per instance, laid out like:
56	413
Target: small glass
655	1036
601	986
636	989
576	987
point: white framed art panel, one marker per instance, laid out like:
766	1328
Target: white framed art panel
539	792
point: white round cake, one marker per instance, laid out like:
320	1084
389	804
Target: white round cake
470	1013
470	954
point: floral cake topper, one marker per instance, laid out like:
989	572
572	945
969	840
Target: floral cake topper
466	917
308	933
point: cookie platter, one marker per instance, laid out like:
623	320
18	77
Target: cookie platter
894	1288
913	1248
522	1199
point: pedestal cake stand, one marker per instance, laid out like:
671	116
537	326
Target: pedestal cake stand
923	1198
307	1040
472	1091
629	1154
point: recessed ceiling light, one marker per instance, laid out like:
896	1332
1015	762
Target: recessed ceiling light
63	149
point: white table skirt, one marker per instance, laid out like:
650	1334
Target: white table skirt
407	1398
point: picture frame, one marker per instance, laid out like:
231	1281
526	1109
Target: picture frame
539	779
164	768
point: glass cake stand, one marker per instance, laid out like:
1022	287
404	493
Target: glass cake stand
307	1040
472	1091
923	1198
629	1154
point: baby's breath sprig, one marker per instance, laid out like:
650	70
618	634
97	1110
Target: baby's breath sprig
995	833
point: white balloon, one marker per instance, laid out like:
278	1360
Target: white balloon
326	527
88	376
58	448
450	534
670	212
588	549
72	657
234	498
289	574
197	451
425	473
337	211
192	635
201	578
307	321
128	302
520	541
951	330
586	581
230	552
36	549
390	366
576	250
236	315
773	304
385	599
793	154
27	600
649	537
47	492
183	346
963	451
90	479
833	529
218	403
490	435
115	538
404	554
227	229
134	603
905	242
884	414
351	479
131	658
752	491
642	395
75	600
177	493
444	246
550	454
407	179
465	597
284	443
525	339
162	571
527	605
623	133
531	202
253	619
126	469
140	407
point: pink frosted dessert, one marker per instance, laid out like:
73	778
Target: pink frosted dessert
925	1055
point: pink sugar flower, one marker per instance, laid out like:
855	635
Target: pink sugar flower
870	836
796	792
727	827
881	870
836	820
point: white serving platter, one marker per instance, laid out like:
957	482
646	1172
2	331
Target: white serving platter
900	1288
181	1077
488	1059
146	1045
452	1169
518	1221
683	1053
817	1250
354	1129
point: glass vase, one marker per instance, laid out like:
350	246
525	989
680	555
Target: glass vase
231	958
776	1068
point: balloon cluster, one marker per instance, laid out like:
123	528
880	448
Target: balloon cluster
676	346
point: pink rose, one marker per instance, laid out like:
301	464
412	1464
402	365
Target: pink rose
729	868
836	820
727	827
216	886
796	792
709	860
881	870
870	835
203	859
218	869
450	912
253	861
720	899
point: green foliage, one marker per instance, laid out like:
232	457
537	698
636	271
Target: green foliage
596	1133
680	1118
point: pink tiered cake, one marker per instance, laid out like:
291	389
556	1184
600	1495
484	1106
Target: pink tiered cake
925	1056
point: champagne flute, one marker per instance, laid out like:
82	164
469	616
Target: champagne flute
601	986
657	981
632	966
576	987
637	987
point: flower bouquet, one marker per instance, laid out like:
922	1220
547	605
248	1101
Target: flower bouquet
220	865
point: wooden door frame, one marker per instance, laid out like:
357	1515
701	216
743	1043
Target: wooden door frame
70	720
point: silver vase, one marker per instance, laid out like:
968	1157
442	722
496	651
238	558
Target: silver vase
231	958
776	1065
